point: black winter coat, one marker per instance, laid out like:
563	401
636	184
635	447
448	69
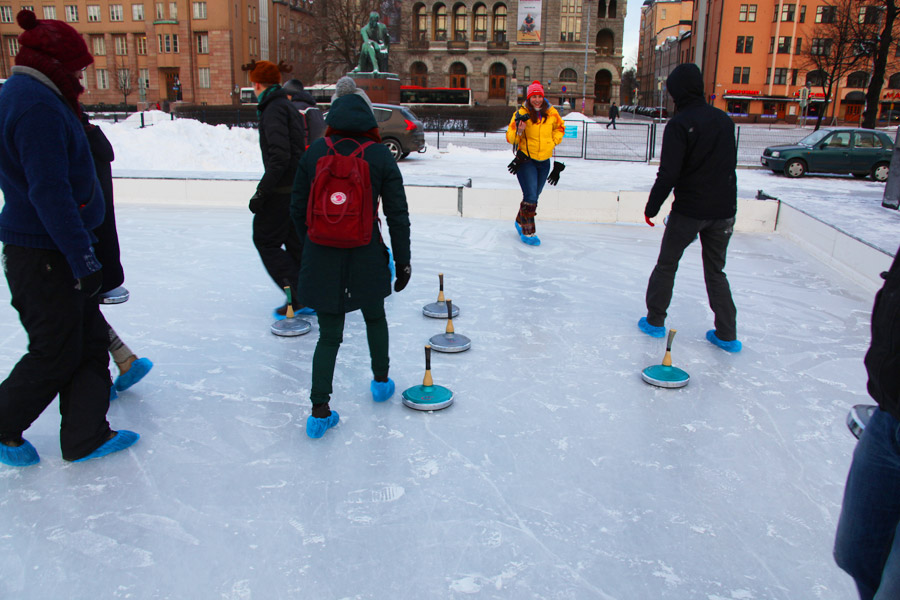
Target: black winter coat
282	141
883	358
699	155
313	121
107	245
341	280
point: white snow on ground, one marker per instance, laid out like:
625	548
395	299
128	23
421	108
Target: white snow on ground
558	473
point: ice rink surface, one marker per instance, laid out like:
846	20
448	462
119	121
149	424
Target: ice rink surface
557	473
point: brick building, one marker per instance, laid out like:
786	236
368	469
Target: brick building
482	45
663	25
174	50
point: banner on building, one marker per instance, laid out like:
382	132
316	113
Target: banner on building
529	23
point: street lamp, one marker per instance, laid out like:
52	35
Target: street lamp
514	96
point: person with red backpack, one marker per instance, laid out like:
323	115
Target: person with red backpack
334	205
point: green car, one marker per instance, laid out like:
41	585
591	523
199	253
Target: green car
860	152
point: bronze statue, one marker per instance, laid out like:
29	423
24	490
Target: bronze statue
375	46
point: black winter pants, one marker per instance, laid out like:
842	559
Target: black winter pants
277	242
67	353
714	238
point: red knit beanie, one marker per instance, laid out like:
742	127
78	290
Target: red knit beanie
265	72
54	39
535	88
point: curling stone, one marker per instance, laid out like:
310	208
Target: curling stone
450	341
428	396
665	375
291	325
438	310
114	296
858	418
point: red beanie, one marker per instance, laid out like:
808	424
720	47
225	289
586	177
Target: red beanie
54	39
535	88
265	72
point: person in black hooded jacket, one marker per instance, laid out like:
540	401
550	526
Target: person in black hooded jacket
698	161
313	121
282	142
867	542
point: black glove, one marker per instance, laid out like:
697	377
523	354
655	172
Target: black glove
513	167
256	203
403	274
553	178
90	284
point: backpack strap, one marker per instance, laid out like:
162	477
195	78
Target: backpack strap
356	152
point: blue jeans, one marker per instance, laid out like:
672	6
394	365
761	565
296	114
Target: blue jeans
867	544
532	176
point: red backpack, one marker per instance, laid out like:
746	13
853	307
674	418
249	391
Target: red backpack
340	212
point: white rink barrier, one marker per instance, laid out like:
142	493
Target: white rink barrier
852	257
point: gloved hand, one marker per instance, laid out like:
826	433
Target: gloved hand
256	203
403	274
513	167
553	178
649	222
90	284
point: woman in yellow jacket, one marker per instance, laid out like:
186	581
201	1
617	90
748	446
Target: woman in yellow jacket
534	131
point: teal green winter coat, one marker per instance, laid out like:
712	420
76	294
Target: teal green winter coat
341	280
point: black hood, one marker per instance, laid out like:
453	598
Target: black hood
685	85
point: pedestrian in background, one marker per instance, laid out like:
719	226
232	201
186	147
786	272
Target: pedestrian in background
613	115
313	121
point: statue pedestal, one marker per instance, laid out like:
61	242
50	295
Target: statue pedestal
382	88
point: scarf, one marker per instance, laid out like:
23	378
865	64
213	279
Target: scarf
65	81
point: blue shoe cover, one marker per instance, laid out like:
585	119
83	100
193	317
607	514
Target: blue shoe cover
138	369
651	330
518	227
316	428
305	311
732	346
382	390
21	456
123	439
391	264
113	394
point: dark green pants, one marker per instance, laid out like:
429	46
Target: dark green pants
331	334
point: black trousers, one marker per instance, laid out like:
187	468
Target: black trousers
277	242
714	238
67	353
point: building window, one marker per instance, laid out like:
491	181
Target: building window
71	13
168	43
798	47
199	10
803	14
570	21
499	23
747	13
13	44
480	23
202	43
93	13
870	15
144	78
420	23
825	14
99	44
859	79
173	11
102	79
6	14
780	76
794	73
741	75
116	13
203	77
137	12
121	45
745	44
738	107
160	11
49	12
787	12
459	23
784	45
768	76
820	47
440	22
142	44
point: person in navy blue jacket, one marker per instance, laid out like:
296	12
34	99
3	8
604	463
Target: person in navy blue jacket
52	202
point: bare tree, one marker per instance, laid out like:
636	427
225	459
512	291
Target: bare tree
125	80
629	84
338	35
880	43
834	51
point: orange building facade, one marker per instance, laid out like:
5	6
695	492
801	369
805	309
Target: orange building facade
755	62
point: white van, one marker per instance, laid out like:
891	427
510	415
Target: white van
248	96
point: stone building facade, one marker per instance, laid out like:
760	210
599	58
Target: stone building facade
498	48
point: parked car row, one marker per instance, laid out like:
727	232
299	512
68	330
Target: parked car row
859	152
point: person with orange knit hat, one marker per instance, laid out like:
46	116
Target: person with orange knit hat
282	140
535	130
